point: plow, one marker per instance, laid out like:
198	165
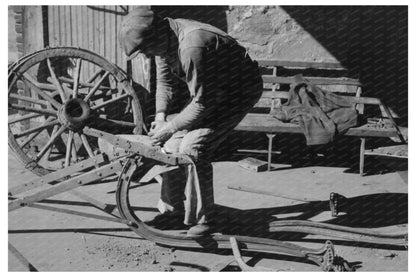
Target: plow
66	103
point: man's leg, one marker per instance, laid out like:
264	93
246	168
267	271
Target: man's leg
173	182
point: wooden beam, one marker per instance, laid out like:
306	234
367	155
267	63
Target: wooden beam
70	184
313	80
300	64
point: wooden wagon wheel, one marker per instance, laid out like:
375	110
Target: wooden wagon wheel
54	93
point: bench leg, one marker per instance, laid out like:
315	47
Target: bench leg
269	151
362	154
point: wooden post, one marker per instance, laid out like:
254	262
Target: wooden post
362	156
269	151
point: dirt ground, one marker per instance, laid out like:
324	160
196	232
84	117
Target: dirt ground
54	241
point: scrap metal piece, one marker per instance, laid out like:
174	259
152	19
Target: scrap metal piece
334	202
332	262
270	193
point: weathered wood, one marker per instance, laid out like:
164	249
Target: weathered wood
70	184
362	156
266	123
299	64
313	80
57	175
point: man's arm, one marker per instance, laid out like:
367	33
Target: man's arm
164	88
198	79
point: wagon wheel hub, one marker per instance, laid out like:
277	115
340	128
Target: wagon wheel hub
74	113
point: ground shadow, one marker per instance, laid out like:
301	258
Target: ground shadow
367	211
342	152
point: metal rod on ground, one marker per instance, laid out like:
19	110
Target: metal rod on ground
270	193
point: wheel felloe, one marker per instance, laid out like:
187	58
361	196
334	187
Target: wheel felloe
54	93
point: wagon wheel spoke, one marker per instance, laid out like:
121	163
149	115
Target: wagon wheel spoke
108	102
69	148
33	109
74	150
50	143
54	93
96	86
34	85
55	81
48	152
101	118
86	145
35	134
71	82
28	99
76	78
45	125
95	75
30	138
24	117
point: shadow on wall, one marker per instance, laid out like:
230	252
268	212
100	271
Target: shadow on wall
214	15
370	41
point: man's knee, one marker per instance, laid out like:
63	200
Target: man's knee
196	144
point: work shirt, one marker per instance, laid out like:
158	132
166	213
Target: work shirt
218	71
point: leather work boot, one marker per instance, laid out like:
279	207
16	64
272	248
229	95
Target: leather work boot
167	221
199	230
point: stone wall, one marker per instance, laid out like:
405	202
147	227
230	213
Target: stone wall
271	33
371	41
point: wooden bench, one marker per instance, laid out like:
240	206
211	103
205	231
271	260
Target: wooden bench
277	79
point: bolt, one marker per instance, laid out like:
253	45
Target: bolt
99	174
80	182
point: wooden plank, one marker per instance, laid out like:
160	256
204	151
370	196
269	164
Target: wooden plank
268	95
72	183
275	94
74	25
299	64
59	174
265	103
365	131
91	16
68	26
267	124
313	80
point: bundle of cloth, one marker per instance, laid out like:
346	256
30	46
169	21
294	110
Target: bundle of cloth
321	115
